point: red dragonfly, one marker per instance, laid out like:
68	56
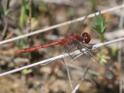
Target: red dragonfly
84	38
70	42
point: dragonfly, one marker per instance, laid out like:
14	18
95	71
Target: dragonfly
83	39
70	43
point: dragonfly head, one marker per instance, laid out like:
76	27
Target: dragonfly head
85	37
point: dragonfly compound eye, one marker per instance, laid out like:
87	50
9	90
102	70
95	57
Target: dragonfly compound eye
85	37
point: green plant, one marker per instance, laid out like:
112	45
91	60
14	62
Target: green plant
26	14
99	26
1	11
26	71
26	11
4	11
102	57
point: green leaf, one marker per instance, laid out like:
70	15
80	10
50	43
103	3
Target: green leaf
99	24
24	13
26	71
1	11
114	50
23	18
103	58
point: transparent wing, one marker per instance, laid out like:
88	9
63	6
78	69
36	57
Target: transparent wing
88	53
81	69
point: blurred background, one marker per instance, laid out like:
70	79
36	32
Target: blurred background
18	17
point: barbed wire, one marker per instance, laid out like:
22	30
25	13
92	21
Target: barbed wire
50	60
59	25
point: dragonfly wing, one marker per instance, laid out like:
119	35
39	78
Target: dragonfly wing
68	49
86	66
90	54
